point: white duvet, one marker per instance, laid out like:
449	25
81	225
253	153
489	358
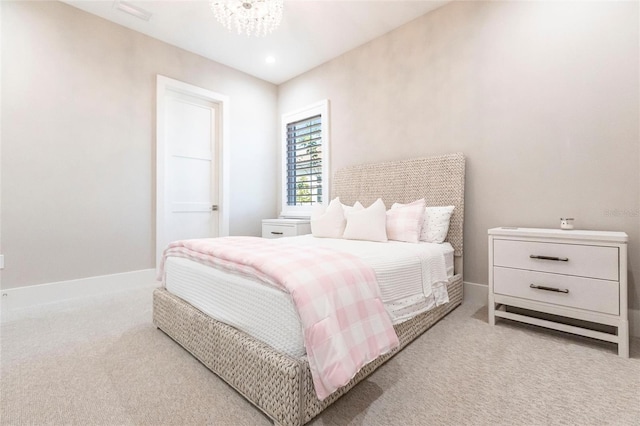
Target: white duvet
412	280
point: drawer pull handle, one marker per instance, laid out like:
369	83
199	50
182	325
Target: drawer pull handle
559	259
557	290
276	233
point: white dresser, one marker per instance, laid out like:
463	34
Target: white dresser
278	228
574	274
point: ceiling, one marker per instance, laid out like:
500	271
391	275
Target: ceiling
311	33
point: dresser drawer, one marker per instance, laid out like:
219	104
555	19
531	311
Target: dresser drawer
277	231
574	259
583	293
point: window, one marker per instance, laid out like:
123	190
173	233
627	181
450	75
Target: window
305	160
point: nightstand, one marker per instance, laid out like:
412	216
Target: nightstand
566	275
277	228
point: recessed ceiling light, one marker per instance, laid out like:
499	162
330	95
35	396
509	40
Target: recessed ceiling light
132	10
270	59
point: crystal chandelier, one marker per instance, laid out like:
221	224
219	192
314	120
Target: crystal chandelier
252	17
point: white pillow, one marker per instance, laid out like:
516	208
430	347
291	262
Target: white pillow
369	224
404	221
436	224
355	207
328	222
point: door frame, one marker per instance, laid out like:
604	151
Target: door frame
164	84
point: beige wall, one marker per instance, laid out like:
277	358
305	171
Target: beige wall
78	135
541	97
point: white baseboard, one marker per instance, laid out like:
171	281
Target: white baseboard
477	294
634	322
44	294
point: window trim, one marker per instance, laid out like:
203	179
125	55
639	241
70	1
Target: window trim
321	108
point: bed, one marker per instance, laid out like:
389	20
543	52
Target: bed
279	382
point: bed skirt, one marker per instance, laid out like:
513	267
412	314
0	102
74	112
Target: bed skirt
279	385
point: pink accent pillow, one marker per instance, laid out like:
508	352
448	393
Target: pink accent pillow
404	221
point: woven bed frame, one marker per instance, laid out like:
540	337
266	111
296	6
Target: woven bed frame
281	385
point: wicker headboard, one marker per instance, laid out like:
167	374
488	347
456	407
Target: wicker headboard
439	179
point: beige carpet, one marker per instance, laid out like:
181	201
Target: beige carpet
100	361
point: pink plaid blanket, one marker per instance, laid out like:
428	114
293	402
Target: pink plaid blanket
336	294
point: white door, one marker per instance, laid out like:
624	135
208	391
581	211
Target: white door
191	176
191	208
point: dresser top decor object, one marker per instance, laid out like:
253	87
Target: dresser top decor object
566	223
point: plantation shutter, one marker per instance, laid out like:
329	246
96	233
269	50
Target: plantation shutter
304	162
